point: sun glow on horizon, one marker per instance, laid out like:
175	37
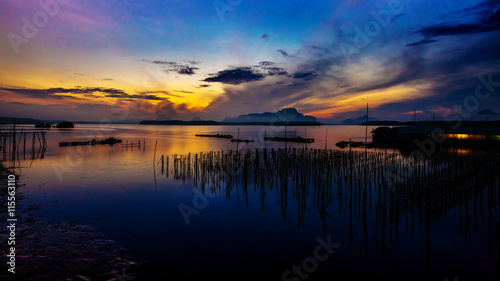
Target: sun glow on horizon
375	98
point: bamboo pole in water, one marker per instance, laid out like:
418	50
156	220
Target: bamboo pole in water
24	146
366	128
14	141
326	137
405	193
154	156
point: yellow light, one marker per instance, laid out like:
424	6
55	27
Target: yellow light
461	151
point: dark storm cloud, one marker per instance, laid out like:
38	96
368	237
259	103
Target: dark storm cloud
486	18
449	29
421	42
160	62
244	74
134	97
282	52
194	62
145	93
270	68
304	75
396	17
171	66
184	69
487	112
266	63
235	76
146	97
56	93
275	71
204	86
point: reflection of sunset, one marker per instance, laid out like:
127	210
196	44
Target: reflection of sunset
461	151
466	136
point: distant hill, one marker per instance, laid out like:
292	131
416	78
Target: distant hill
277	123
387	123
11	120
358	121
178	122
487	112
289	116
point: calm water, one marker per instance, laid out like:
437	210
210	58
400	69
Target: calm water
230	235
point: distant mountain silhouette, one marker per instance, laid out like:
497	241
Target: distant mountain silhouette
358	121
287	115
12	120
487	112
178	122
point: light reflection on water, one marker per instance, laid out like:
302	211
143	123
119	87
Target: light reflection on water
118	164
139	209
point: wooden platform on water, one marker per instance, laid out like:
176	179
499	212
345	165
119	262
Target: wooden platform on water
344	144
109	141
239	140
219	136
285	139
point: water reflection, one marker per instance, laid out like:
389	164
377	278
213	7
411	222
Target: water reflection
387	193
14	144
385	208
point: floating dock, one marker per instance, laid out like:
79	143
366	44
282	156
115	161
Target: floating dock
219	136
285	139
344	144
109	141
238	140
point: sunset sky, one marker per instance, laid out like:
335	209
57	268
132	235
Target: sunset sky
179	59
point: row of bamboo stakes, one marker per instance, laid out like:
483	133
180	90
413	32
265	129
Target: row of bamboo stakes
133	144
12	141
398	192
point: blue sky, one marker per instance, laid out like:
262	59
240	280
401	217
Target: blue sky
215	59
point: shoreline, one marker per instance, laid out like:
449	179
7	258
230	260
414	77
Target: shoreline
57	250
